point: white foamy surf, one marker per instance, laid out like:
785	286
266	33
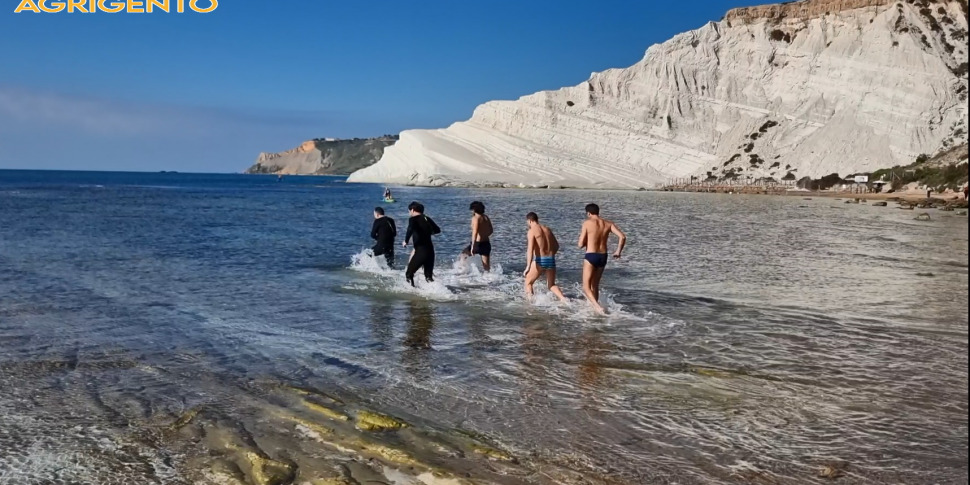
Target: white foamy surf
462	279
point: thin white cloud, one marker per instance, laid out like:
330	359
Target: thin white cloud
58	111
110	118
42	129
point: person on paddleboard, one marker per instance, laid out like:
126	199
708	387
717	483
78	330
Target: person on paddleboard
387	194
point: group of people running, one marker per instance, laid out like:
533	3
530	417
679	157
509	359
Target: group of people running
541	243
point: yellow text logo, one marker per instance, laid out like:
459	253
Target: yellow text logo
117	6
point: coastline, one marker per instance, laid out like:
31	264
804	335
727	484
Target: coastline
908	196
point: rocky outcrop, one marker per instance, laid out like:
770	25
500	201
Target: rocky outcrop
326	156
799	10
781	92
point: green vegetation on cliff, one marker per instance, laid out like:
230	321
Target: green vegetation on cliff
947	170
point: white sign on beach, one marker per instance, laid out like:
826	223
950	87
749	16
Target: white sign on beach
861	179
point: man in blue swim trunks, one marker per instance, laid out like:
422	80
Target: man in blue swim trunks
481	235
594	238
541	256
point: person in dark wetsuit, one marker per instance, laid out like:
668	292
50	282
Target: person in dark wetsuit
384	232
420	228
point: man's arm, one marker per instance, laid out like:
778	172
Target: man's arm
530	249
553	242
583	236
616	230
475	222
434	227
393	229
410	232
374	233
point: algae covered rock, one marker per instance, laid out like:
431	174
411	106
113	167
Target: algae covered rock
330	413
370	421
331	481
185	419
493	454
265	471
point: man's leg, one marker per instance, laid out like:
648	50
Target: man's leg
588	272
553	287
389	256
417	260
487	263
429	266
597	279
530	280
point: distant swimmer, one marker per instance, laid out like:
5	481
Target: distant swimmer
594	238
384	232
420	228
481	234
541	256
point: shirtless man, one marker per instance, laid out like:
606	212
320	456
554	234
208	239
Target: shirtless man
594	238
481	233
540	257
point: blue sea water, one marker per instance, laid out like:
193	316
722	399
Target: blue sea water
752	338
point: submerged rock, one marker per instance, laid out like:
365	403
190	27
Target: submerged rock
303	391
711	372
369	421
493	454
832	472
265	471
330	413
331	481
880	204
185	419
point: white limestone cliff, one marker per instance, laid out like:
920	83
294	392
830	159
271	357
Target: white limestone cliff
800	89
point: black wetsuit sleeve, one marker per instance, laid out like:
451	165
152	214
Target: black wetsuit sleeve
393	229
434	227
375	230
407	236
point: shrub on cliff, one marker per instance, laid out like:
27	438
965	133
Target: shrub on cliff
778	36
824	183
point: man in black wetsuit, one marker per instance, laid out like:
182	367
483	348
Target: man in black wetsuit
384	232
420	228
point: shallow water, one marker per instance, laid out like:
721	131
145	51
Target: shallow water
156	328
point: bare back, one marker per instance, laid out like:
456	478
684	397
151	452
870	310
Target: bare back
484	226
545	241
597	233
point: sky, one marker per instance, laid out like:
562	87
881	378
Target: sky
208	92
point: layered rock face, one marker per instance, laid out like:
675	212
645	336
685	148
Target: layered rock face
776	92
324	157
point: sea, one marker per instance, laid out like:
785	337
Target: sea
166	328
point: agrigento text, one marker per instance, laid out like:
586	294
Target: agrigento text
117	6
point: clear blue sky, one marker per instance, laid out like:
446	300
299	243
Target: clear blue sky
207	92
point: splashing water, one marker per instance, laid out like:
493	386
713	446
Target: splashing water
462	279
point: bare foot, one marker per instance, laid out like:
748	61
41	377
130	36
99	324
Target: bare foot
597	307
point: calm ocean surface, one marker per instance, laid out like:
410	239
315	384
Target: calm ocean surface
179	329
